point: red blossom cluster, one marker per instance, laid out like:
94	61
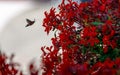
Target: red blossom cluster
86	38
9	67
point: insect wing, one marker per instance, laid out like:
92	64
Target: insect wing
28	21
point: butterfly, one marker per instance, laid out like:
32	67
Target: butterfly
29	22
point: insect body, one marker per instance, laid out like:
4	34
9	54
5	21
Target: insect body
29	22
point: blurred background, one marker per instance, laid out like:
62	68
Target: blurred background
24	42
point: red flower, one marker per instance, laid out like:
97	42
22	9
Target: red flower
95	70
109	63
108	36
102	7
70	69
50	20
117	63
89	36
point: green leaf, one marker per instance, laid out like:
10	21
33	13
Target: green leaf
109	18
97	23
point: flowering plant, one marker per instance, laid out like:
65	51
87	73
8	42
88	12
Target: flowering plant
86	38
9	67
86	41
